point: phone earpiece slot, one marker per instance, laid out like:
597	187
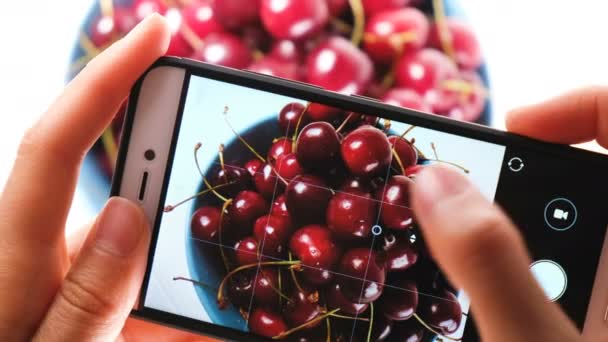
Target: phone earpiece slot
144	184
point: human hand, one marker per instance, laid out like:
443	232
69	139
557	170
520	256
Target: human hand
479	248
44	295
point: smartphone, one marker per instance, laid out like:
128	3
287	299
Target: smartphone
280	210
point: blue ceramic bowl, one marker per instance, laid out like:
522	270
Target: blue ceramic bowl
205	263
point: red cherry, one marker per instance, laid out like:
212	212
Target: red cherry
472	100
266	323
286	50
314	246
205	223
106	29
302	308
374	6
235	14
237	178
364	275
253	166
256	38
246	207
266	181
246	251
366	151
351	215
336	300
240	289
413	171
355	184
280	147
405	150
399	253
337	7
265	287
410	330
290	115
274	67
178	46
143	8
279	207
318	146
406	98
441	311
307	197
425	72
319	112
336	64
464	42
201	18
386	33
224	49
395	197
288	166
294	19
274	231
399	303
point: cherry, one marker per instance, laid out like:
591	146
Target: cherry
337	7
274	231
408	156
274	67
290	115
337	65
201	18
307	198
236	178
425	71
294	19
237	13
441	311
246	207
408	331
265	288
319	112
256	38
302	308
205	223
314	246
395	212
390	33
319	333
406	98
288	166
336	300
381	330
351	215
472	99
355	184
399	252
364	275
366	151
279	207
253	166
106	29
266	182
399	303
224	49
266	323
286	50
178	46
279	148
374	6
466	47
317	146
143	8
246	251
240	289
413	171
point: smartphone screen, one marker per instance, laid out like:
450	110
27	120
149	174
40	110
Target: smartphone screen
285	218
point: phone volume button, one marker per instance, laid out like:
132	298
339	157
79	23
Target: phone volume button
365	98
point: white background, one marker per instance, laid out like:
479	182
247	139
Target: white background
535	49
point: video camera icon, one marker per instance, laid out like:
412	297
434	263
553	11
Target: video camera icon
560	214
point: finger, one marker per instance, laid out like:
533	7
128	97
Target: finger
481	252
49	156
101	287
138	330
75	241
575	117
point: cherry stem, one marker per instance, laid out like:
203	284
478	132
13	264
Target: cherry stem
424	324
411	128
434	150
198	167
303	326
342	26
106	7
351	318
195	282
343	124
170	208
221	233
190	37
465	170
465	88
226	109
328	326
358	21
294	140
280	280
221	156
387	125
371	322
277	291
109	144
220	291
293	275
444	32
399	162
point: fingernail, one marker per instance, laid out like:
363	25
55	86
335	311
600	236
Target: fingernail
120	227
438	183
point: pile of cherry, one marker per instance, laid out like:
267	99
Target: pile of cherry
317	234
405	52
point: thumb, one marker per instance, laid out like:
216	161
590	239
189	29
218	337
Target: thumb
101	287
483	253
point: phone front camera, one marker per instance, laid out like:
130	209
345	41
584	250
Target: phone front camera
150	155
